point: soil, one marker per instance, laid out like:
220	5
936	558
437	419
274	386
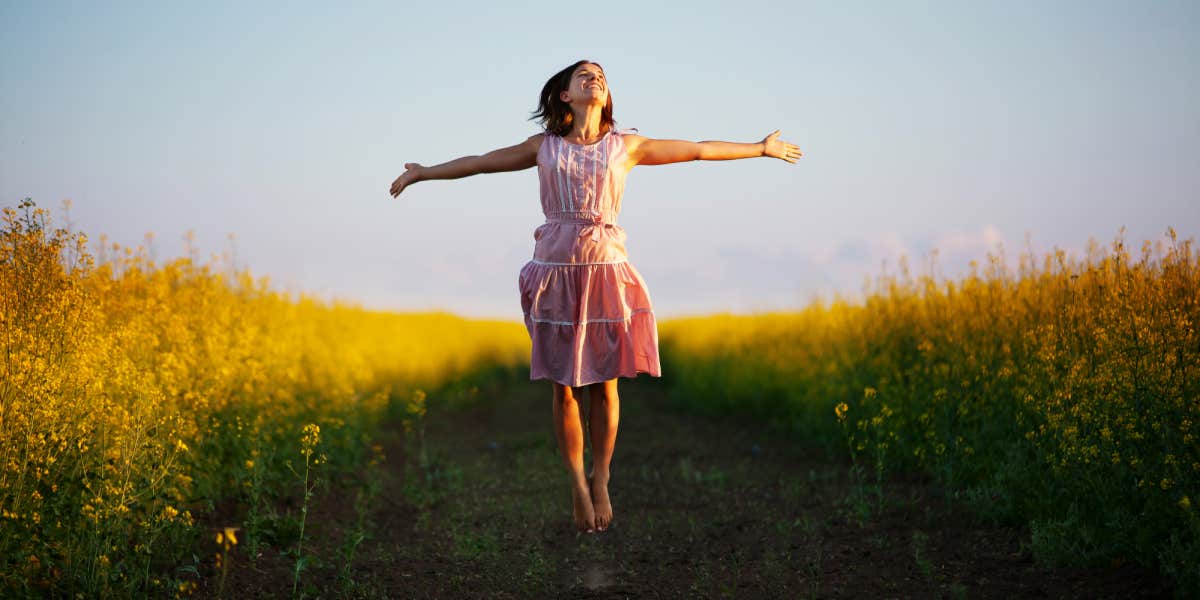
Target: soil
703	507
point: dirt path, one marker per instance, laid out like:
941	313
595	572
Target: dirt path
703	508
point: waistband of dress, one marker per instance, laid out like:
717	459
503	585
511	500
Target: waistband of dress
579	217
583	222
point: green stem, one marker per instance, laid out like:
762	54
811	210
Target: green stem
224	570
303	520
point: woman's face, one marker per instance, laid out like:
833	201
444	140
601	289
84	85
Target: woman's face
588	86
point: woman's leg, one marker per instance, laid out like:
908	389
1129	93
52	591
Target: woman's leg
603	411
568	430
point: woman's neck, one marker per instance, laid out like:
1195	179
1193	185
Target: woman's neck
586	127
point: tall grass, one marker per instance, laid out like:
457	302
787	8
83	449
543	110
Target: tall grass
1065	396
134	395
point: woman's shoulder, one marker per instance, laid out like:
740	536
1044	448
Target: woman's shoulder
630	139
627	135
535	140
533	143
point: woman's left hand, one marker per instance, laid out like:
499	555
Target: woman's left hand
777	148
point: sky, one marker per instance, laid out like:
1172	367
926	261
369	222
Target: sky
272	132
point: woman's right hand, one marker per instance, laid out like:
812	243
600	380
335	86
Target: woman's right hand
412	174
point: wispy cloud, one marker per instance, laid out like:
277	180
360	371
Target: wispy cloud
749	278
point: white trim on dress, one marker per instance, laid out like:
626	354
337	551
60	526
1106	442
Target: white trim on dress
580	264
638	311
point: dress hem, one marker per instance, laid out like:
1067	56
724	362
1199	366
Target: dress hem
621	375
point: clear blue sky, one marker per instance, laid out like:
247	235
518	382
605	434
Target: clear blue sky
954	125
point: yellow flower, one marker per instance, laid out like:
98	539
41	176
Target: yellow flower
1185	503
310	439
840	411
416	405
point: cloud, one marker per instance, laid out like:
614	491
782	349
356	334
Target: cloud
843	268
955	250
754	276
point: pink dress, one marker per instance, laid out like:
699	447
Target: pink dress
586	307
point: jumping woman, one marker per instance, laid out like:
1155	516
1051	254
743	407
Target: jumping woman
586	307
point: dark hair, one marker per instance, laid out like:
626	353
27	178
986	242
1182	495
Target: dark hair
554	114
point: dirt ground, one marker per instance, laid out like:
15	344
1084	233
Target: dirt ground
703	508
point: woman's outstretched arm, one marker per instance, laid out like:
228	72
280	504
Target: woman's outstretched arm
648	151
511	158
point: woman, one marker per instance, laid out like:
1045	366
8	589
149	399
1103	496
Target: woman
586	307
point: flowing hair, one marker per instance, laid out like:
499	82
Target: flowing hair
555	115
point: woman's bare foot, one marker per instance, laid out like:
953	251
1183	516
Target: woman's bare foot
600	502
585	517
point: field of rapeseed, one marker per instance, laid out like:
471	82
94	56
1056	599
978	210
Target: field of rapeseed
133	396
1064	396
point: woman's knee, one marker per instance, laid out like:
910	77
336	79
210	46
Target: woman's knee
604	391
564	393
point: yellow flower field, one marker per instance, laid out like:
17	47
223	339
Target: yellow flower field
1065	396
133	395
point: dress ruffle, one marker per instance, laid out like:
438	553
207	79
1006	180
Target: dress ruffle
599	313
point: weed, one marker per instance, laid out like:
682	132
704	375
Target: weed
920	541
